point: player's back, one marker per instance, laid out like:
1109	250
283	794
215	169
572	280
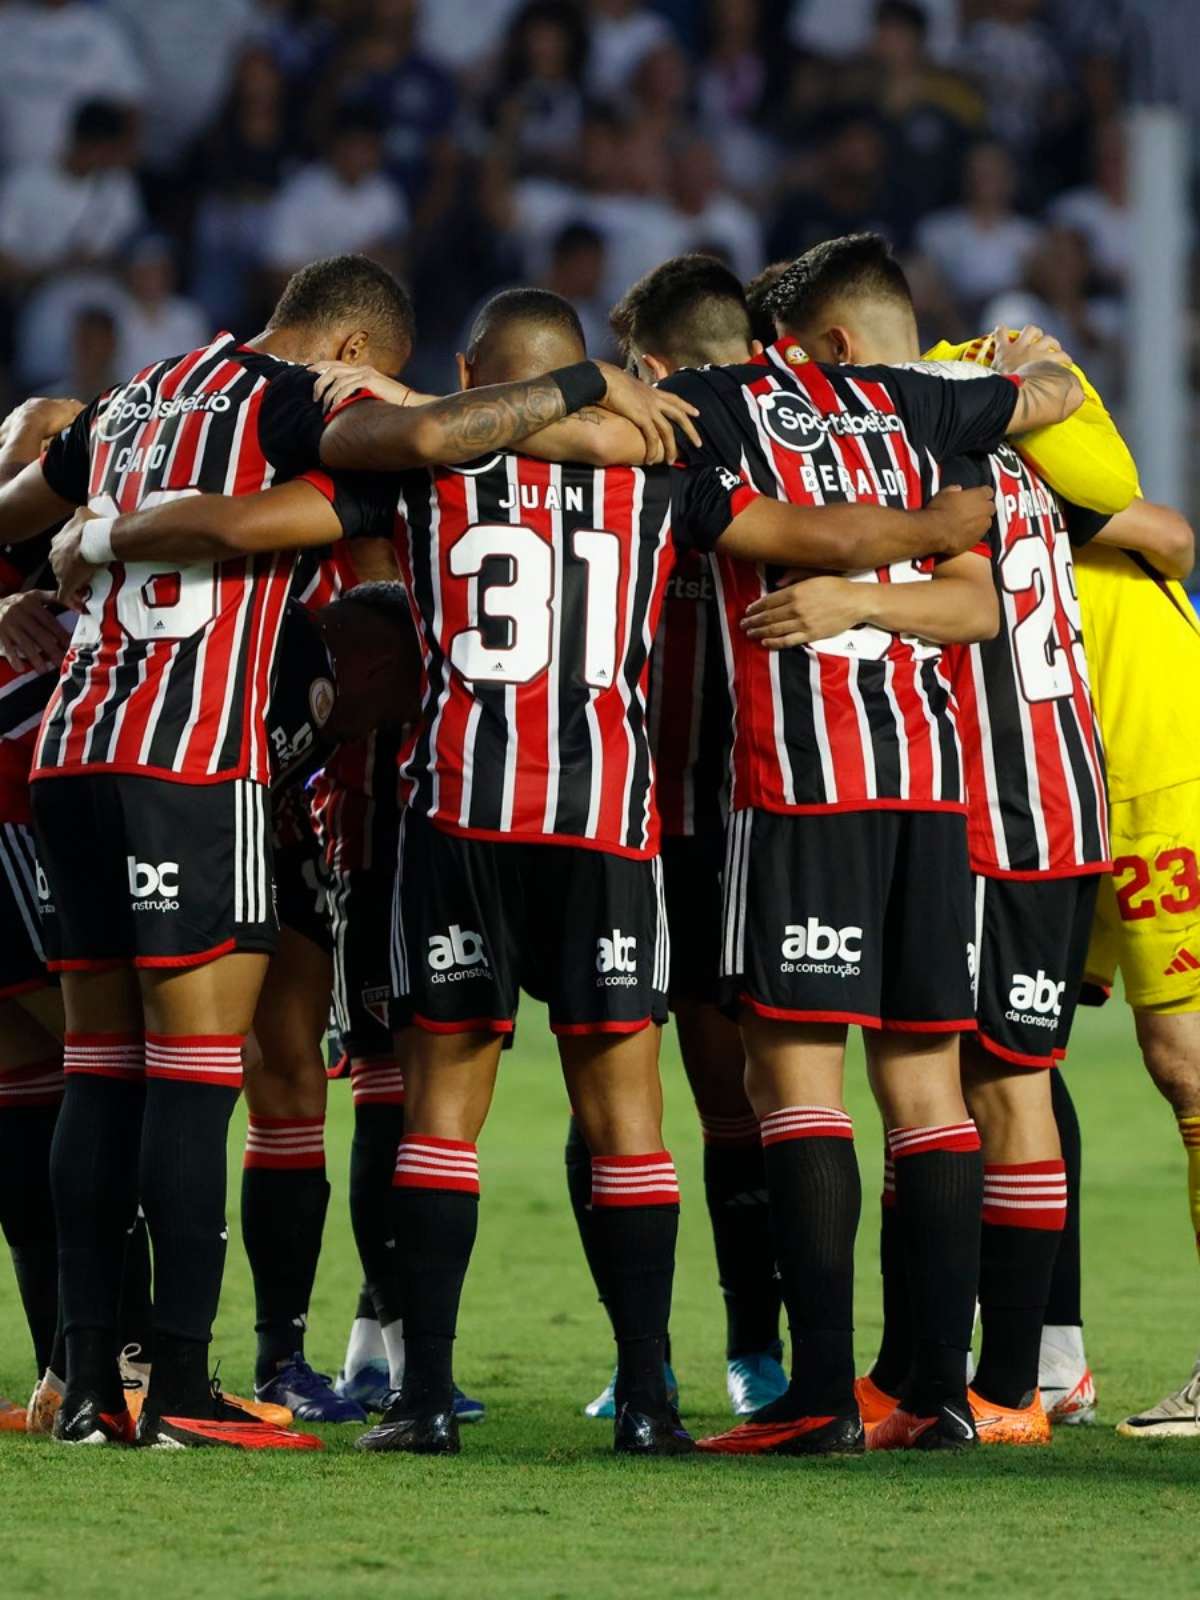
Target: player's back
537	589
1143	645
169	668
1031	746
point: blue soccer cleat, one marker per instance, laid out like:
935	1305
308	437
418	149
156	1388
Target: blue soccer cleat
308	1395
466	1409
754	1380
604	1406
369	1386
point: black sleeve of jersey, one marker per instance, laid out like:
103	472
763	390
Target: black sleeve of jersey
949	416
291	422
67	460
704	501
973	472
290	425
1083	525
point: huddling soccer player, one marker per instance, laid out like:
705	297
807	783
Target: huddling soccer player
150	783
1037	831
847	774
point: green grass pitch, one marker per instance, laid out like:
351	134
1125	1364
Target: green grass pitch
535	1507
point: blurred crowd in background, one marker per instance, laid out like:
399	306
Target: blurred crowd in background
167	163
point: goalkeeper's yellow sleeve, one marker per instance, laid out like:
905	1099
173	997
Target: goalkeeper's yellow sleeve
1084	458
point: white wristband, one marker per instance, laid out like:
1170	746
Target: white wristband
95	542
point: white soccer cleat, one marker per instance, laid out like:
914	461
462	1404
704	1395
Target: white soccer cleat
1064	1377
1176	1417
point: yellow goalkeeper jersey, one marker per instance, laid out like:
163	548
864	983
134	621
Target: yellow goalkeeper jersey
1139	630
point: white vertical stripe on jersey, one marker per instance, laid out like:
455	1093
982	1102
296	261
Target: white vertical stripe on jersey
234	689
596	771
171	651
106	698
511	739
729	886
889	689
119	719
662	931
471	507
739	945
1037	814
193	716
550	814
828	771
988	750
661	543
631	582
935	744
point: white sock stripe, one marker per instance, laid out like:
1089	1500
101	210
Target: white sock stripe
637	1188
990	1175
635	1175
825	1113
1008	1204
286	1139
448	1161
901	1140
1032	1187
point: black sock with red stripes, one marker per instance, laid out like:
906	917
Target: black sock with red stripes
816	1198
93	1178
183	1184
939	1199
1024	1207
634	1228
27	1217
436	1213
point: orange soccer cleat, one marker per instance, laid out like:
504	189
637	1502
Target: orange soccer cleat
797	1436
874	1403
12	1417
997	1424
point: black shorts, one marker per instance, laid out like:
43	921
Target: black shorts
361	907
1031	944
853	916
152	873
23	892
475	922
302	889
691	869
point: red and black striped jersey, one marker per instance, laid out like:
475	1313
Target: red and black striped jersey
536	591
23	692
169	671
1036	797
864	719
689	703
355	803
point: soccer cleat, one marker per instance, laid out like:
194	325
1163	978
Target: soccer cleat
12	1417
775	1430
223	1421
44	1403
369	1386
412	1433
604	1406
752	1381
645	1433
81	1419
307	1395
997	1424
1065	1380
1175	1417
949	1428
874	1403
466	1409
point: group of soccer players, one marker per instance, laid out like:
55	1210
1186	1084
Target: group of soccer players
750	684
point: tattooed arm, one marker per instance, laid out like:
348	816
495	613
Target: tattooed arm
1049	393
632	425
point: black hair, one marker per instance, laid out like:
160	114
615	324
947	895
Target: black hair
683	309
386	600
539	307
559	14
342	289
856	265
758	294
98	120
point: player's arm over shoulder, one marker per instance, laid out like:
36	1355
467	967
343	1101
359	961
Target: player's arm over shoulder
40	482
1164	536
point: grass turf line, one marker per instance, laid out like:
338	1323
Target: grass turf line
536	1508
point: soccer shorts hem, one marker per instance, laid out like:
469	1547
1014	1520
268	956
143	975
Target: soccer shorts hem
152	874
1031	941
858	917
475	923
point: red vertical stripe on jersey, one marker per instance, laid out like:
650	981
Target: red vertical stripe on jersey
533	755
